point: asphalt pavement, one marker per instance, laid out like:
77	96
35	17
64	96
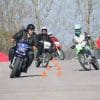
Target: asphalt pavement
63	80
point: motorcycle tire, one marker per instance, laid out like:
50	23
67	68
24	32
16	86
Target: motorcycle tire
16	71
38	63
82	63
95	64
61	54
44	60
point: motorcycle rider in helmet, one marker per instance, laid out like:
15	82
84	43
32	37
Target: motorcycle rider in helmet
43	36
81	37
27	35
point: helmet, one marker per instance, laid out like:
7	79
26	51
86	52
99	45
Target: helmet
50	33
30	26
44	28
77	26
77	29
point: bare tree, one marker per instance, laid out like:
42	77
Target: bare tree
89	9
12	14
41	11
85	9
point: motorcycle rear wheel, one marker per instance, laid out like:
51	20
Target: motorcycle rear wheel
95	64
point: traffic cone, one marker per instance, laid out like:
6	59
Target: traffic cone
44	74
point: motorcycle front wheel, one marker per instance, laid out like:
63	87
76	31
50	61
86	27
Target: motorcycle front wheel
16	71
84	63
43	60
61	54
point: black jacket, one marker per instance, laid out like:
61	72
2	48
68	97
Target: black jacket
44	37
22	35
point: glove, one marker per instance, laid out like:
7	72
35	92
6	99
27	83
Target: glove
73	46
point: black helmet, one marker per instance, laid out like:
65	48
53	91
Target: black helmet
30	26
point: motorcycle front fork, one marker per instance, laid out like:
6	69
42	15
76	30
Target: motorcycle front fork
12	63
58	51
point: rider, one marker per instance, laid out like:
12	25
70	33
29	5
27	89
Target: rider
43	36
81	37
29	36
53	39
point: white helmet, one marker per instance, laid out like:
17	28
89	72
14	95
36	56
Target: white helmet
49	33
77	26
44	28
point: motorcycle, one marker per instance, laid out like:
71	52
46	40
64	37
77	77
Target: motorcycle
20	59
45	56
85	57
57	48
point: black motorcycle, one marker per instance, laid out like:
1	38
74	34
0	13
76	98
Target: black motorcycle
19	62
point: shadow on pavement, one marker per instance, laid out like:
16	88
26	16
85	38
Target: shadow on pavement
29	76
83	70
